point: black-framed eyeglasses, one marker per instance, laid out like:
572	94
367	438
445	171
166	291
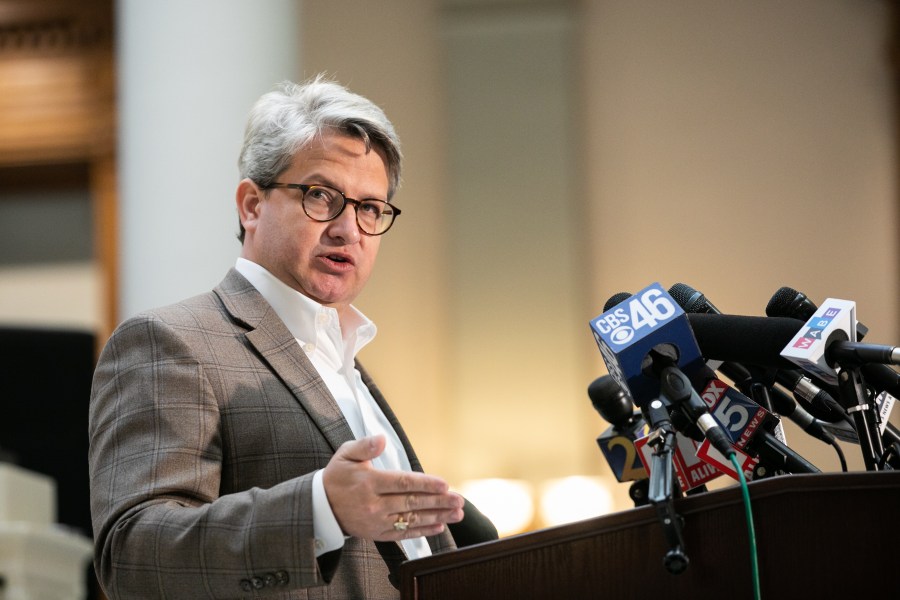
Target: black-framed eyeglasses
322	203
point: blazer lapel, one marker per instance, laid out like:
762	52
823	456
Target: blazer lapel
271	338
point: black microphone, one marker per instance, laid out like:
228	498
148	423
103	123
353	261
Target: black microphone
747	340
763	339
882	378
816	400
677	388
616	299
758	441
637	329
784	404
611	401
787	302
667	339
617	442
844	352
693	301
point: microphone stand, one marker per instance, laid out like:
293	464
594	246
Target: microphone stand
856	399
661	493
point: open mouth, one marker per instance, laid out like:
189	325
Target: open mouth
338	258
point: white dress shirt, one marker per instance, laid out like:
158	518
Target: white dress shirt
332	347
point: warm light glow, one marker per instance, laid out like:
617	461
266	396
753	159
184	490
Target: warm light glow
506	502
574	499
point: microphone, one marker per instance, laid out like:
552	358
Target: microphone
784	404
627	332
883	379
616	299
798	384
642	335
742	417
617	442
787	302
788	407
821	345
841	351
833	325
633	333
677	388
693	301
616	406
761	343
649	348
761	338
813	398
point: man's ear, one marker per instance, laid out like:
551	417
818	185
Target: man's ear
248	197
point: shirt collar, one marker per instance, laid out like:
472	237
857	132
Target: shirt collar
301	313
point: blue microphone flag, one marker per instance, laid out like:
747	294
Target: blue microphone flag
628	331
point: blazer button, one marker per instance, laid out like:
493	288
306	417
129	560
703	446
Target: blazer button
246	586
282	577
269	579
257	583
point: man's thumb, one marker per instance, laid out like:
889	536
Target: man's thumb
362	449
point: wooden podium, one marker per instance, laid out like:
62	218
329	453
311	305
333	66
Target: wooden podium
818	536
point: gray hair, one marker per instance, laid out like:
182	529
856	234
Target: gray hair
287	119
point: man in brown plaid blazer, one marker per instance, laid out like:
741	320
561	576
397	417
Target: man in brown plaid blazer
237	448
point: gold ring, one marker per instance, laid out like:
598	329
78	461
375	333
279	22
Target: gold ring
400	524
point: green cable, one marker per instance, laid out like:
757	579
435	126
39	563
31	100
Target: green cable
754	563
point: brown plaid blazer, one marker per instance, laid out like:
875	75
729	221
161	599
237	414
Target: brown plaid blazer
206	423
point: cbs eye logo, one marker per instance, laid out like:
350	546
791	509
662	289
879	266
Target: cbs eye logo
621	335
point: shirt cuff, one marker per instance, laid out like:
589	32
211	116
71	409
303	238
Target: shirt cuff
326	530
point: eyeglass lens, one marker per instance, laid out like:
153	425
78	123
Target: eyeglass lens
324	203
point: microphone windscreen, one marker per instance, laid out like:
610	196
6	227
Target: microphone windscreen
616	299
611	401
788	302
753	340
475	527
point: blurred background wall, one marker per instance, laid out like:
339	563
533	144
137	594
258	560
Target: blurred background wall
557	152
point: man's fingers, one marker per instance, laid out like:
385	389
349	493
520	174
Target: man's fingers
386	505
409	482
418	523
403	503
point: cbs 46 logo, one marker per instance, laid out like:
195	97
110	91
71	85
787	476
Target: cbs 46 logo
647	310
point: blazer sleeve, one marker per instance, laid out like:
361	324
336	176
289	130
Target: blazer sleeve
161	527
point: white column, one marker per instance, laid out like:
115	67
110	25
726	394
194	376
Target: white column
188	73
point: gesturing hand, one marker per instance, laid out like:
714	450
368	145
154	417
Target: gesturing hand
367	502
